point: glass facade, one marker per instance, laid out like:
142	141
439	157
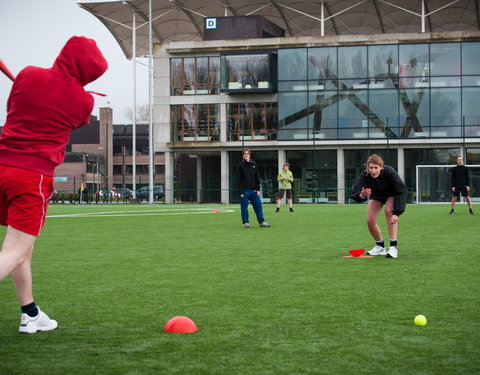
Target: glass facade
382	93
395	91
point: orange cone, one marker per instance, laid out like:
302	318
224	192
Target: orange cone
180	324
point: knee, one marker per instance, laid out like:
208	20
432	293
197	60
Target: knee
388	212
371	221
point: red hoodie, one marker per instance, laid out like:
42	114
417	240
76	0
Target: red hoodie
46	104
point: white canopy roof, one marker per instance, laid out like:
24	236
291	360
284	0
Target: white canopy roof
183	20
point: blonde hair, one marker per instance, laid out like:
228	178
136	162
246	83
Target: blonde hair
374	159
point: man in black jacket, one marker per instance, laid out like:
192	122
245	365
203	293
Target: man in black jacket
460	184
248	183
382	185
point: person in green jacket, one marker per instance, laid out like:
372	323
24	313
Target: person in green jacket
285	178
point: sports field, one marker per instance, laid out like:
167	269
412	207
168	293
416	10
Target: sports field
280	300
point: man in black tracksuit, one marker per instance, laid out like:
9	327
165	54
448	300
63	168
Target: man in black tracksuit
460	184
248	183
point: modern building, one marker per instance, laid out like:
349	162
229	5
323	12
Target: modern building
320	84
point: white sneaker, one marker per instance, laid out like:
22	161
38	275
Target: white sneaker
392	252
38	323
377	250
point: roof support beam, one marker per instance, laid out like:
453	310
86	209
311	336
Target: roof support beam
477	12
282	14
188	13
227	7
424	13
135	9
380	21
332	20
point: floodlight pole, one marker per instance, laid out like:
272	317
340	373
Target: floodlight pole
150	104
134	119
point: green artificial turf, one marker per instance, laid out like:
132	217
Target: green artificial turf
279	300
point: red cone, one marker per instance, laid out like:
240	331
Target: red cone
180	324
356	252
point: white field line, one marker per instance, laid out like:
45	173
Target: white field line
176	211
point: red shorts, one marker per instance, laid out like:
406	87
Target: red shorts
24	198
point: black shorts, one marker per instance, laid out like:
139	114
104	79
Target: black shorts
282	193
460	189
380	198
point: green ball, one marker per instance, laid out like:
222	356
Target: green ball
420	321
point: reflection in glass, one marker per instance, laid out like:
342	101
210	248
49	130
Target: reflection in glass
382	62
383	105
471	58
323	106
292	64
445	59
471	111
352	62
322	64
414	115
446	107
352	114
247	72
194	76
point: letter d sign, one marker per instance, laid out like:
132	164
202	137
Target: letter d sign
211	23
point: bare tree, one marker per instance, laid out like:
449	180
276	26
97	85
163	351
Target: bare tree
142	113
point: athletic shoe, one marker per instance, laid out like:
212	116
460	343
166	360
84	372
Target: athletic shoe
392	252
451	212
471	212
246	225
38	323
278	209
291	209
264	225
377	250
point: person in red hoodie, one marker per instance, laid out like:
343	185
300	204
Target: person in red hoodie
44	106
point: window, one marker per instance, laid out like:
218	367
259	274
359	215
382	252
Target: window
292	64
194	75
251	121
195	122
248	73
117	170
352	62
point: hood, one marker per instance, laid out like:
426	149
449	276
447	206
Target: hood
81	59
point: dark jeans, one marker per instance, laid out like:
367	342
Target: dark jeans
250	195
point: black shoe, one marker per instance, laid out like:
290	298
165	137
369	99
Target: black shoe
291	209
471	212
278	209
451	212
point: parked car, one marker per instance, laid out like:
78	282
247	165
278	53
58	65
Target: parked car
121	193
158	193
105	194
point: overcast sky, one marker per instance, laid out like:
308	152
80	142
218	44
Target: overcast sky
32	32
